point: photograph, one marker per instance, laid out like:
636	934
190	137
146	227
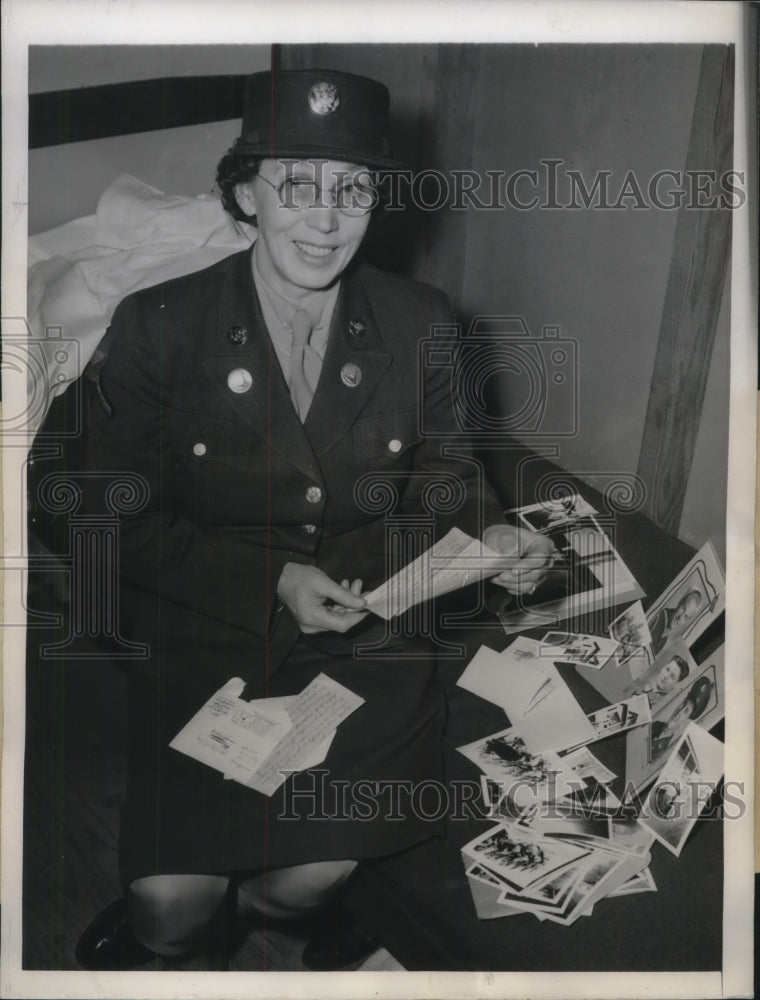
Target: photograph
632	632
590	650
691	603
641	882
683	788
604	872
630	834
701	699
565	823
523	776
587	574
620	716
486	891
690	623
555	889
291	296
586	766
485	875
551	897
520	860
551	513
670	671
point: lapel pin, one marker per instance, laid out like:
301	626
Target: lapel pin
351	375
357	327
237	335
239	380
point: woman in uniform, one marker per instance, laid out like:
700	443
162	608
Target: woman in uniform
269	413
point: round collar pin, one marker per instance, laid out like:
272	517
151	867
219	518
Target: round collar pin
350	375
237	335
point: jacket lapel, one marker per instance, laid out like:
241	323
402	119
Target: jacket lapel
266	407
354	349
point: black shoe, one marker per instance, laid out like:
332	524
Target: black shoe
109	944
336	942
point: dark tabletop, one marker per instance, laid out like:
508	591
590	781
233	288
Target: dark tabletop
418	903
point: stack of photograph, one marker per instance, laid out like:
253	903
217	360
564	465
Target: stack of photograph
557	858
564	840
557	861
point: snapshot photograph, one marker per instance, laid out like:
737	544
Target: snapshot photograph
683	788
521	861
632	632
522	775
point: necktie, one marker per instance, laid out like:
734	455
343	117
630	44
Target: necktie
302	364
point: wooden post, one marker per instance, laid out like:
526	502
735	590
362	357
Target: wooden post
701	251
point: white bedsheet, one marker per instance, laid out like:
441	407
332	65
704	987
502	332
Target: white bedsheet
79	272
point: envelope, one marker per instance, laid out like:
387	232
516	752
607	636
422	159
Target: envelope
525	683
555	721
510	679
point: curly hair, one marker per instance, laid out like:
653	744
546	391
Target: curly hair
239	168
236	168
683	666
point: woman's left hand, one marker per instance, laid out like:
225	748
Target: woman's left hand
531	556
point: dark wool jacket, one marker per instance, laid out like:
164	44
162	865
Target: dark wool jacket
236	486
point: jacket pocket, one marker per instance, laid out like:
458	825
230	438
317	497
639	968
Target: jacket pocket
388	435
206	441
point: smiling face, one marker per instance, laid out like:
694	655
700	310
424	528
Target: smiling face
685	610
302	250
669	676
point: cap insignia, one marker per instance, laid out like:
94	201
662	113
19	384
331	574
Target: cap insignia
323	98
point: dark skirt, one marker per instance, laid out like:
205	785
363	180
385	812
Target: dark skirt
373	795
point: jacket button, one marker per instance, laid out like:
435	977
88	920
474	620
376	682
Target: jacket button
394	446
199	449
314	494
239	380
310	528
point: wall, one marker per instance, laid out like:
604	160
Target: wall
65	182
600	275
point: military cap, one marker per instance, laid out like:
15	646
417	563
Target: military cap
316	114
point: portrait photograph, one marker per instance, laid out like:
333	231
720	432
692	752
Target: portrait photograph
669	672
701	699
344	346
694	599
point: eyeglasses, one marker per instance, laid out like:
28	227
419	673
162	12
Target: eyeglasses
357	197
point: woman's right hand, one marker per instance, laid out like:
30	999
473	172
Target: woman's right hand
318	603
